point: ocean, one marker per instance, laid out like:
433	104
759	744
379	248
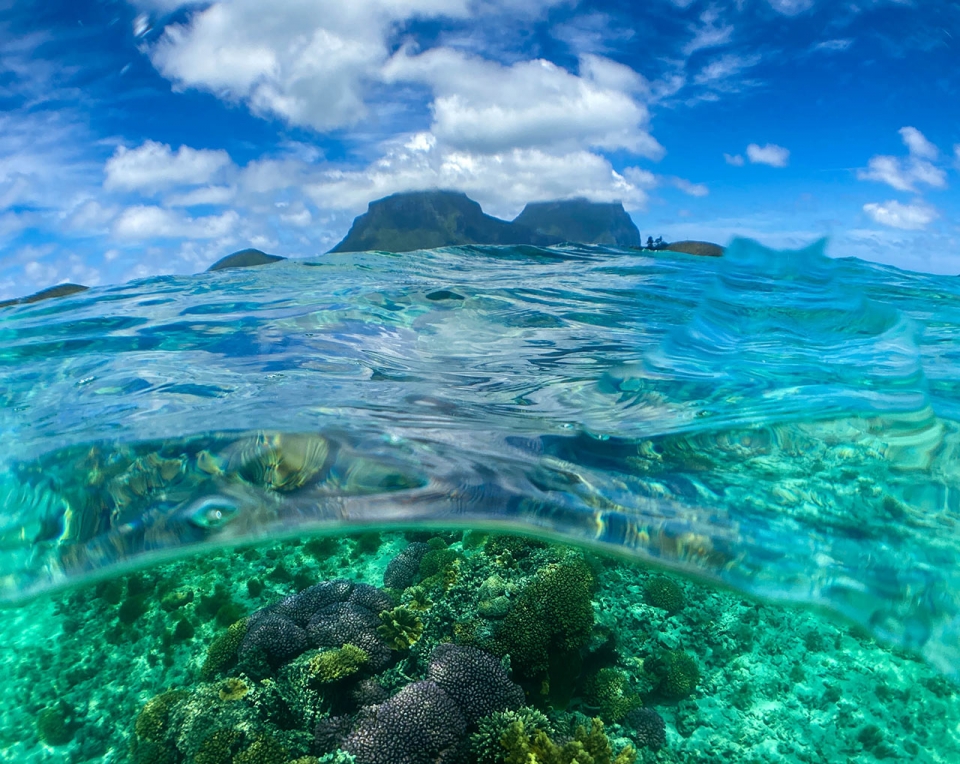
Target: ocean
482	505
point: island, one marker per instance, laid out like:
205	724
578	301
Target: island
429	219
245	258
581	221
60	290
412	220
701	248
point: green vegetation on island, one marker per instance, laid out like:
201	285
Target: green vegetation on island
430	219
581	221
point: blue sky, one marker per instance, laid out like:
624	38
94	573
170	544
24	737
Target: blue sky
155	136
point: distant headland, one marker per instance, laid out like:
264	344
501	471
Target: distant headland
429	219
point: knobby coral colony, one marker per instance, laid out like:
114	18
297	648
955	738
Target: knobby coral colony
422	671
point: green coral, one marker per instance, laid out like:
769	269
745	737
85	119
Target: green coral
263	750
331	666
55	724
336	757
524	746
664	593
486	743
675	672
152	721
436	561
222	652
609	690
366	544
218	748
401	627
549	624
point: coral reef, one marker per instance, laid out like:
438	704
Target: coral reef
647	728
402	570
523	745
664	593
675	672
608	690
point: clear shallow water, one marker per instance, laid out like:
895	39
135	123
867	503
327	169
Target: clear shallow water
777	422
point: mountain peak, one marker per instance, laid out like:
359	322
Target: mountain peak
582	221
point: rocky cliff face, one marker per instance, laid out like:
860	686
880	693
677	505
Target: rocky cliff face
581	221
430	219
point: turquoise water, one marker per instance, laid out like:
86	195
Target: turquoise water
187	455
773	421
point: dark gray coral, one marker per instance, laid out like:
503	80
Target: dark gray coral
330	614
403	569
421	724
475	680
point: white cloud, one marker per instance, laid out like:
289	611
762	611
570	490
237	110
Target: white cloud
918	144
735	159
90	216
709	34
154	166
308	63
207	195
909	217
905	175
40	272
502	182
146	222
720	71
790	7
692	189
833	45
770	154
483	106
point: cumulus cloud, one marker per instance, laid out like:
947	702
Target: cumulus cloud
770	154
308	63
909	217
147	222
154	166
502	182
735	159
483	106
907	173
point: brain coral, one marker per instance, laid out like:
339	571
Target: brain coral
403	569
474	679
664	593
329	614
647	728
421	724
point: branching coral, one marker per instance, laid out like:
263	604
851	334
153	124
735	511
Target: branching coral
401	627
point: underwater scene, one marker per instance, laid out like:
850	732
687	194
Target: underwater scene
512	504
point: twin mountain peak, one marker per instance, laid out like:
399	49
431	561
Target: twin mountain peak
428	219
